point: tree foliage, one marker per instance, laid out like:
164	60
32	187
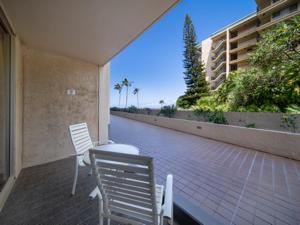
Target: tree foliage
194	75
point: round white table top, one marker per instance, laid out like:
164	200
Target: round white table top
120	148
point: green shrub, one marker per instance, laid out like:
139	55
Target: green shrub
217	117
295	109
168	110
147	110
131	109
115	109
207	103
250	125
183	102
288	121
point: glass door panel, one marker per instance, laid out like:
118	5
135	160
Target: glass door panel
4	106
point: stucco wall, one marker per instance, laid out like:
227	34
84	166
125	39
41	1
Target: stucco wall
48	110
274	142
262	120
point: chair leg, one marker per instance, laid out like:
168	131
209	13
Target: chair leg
100	212
108	221
75	177
161	219
91	172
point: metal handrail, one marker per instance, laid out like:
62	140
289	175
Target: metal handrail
218	44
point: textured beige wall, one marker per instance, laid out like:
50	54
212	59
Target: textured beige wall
48	110
274	142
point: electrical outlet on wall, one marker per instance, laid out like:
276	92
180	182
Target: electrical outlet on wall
71	92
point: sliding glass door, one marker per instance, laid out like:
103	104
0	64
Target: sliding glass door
4	106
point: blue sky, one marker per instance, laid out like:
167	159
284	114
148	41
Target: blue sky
154	61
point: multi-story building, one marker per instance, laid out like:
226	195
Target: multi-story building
228	49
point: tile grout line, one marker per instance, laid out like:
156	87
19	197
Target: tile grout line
243	190
286	180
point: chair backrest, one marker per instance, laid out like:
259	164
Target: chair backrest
126	183
80	137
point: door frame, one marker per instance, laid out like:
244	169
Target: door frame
4	193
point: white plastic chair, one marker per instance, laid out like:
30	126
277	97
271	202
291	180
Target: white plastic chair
127	190
82	142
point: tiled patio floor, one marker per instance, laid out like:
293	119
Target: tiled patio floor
42	196
234	184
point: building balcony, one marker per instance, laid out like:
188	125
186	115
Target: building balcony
243	46
58	75
213	176
273	7
241	58
244	34
278	20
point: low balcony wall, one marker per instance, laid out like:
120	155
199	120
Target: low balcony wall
261	120
275	142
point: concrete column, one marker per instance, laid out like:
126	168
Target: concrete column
104	116
227	53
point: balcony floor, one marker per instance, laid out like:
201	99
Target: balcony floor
42	196
234	184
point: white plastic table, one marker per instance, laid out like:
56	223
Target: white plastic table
120	148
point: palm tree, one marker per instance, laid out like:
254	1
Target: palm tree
119	88
136	92
161	102
127	84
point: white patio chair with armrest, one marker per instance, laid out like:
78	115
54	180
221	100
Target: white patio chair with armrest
127	190
82	142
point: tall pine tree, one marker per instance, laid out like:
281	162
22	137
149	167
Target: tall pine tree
194	75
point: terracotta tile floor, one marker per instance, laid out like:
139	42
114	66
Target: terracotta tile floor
234	184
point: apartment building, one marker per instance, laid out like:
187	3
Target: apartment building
228	49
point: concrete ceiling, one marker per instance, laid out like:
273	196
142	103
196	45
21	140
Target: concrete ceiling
91	30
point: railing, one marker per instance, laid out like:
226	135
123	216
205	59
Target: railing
219	74
217	45
215	57
219	63
217	84
218	52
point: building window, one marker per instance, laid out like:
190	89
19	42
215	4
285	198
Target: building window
276	14
293	7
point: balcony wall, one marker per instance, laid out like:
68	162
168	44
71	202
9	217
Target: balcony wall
48	110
